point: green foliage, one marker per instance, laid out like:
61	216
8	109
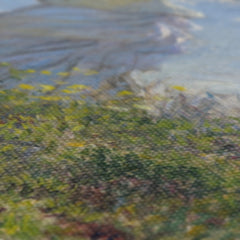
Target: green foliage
68	168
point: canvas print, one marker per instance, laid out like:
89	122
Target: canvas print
119	120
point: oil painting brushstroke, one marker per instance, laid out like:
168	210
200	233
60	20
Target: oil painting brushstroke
119	120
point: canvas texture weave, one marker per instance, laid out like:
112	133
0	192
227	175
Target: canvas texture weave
96	144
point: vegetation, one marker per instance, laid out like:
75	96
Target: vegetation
71	168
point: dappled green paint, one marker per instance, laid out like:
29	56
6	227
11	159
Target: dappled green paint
66	166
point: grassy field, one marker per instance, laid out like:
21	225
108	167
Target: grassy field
75	169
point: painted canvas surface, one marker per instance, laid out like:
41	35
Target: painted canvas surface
119	120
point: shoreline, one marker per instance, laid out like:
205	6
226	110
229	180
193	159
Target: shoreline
159	97
154	84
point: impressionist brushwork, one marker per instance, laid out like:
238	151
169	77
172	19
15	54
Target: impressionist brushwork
119	120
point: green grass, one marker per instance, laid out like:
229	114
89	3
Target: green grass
71	169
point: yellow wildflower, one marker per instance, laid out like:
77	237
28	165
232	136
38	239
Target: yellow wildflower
69	91
47	88
124	93
5	64
63	74
75	144
30	71
76	69
45	72
26	86
179	88
78	87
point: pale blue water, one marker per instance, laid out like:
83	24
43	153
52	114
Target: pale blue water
10	5
212	58
199	53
